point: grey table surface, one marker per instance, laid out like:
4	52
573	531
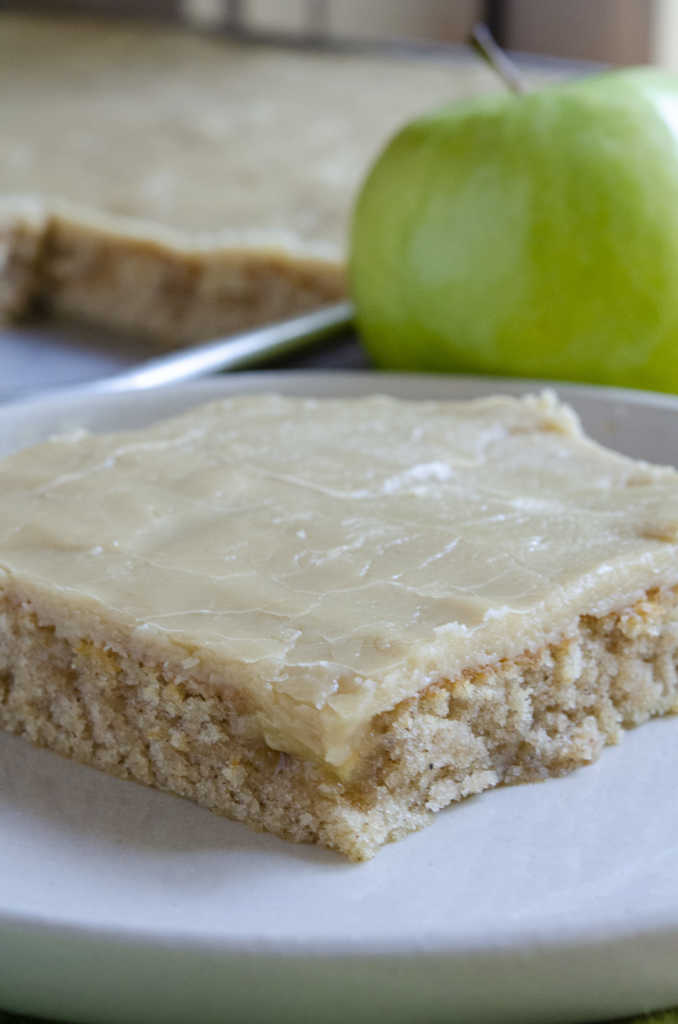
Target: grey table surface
41	355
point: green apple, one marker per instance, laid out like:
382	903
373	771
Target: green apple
534	235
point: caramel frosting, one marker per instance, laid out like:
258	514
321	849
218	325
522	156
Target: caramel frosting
331	557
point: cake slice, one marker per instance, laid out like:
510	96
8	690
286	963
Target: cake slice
331	618
177	186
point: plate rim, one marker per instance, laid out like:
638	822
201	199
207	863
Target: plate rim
217	382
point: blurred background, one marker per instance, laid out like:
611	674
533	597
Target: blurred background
57	327
614	31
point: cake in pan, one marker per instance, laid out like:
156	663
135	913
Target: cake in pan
180	186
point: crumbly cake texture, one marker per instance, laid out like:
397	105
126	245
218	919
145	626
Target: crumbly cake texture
156	181
330	619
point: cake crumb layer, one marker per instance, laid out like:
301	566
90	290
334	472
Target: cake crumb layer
540	715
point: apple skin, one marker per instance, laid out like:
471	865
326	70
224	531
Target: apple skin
531	235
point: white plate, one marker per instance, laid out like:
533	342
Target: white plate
553	902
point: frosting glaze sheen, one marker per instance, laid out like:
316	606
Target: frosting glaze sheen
334	556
